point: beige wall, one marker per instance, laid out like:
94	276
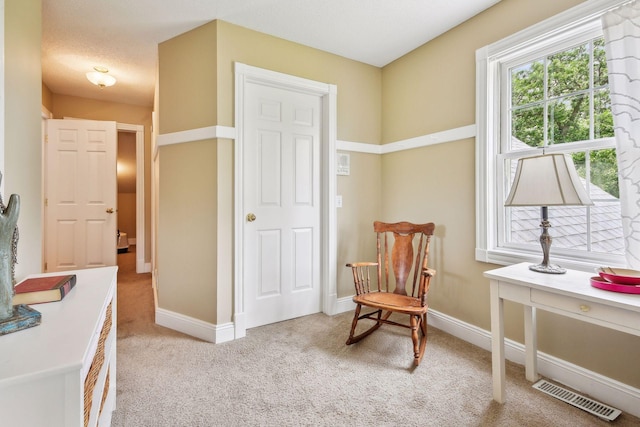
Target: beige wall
187	80
187	192
361	193
47	97
82	108
359	96
187	242
433	89
22	139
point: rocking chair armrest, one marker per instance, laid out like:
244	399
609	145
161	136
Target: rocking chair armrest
428	272
362	264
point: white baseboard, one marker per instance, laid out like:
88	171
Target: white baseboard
240	327
143	267
226	332
195	327
343	304
599	387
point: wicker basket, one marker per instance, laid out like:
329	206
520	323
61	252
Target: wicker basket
105	391
96	366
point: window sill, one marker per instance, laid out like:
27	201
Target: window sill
508	257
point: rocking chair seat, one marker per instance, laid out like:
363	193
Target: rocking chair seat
388	301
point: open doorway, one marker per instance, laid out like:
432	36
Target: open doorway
133	144
126	177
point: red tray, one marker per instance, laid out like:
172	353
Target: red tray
600	283
620	276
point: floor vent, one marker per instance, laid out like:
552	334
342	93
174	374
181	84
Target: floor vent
593	407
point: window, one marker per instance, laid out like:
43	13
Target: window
546	90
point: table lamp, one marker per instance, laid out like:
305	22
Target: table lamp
547	180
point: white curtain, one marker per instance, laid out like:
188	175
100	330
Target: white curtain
622	40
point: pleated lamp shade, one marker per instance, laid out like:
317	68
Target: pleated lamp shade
547	180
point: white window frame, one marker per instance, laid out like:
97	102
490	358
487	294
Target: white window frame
562	29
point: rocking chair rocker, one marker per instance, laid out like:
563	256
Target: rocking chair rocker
378	296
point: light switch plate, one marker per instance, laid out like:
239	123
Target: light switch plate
343	161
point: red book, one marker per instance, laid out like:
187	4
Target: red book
37	290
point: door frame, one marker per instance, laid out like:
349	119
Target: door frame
141	267
328	242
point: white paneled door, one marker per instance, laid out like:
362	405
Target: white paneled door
80	191
282	204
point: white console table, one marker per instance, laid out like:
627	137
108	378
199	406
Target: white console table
569	294
63	371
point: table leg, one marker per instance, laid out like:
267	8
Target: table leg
497	342
530	343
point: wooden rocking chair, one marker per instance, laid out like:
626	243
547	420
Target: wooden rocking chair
402	264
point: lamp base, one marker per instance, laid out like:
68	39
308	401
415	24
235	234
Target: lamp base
545	241
548	268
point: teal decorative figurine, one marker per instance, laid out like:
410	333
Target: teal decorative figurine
8	250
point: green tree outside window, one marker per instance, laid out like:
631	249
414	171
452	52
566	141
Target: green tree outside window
570	90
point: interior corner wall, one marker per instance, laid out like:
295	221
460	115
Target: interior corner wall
187	247
432	89
188	229
22	174
187	79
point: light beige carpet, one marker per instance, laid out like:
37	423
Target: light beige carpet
301	373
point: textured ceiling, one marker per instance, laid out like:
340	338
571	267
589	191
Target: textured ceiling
123	35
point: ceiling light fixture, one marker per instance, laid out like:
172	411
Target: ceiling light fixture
100	77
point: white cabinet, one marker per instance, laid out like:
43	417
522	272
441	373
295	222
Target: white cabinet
63	371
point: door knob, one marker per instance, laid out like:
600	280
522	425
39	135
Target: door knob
251	217
110	210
